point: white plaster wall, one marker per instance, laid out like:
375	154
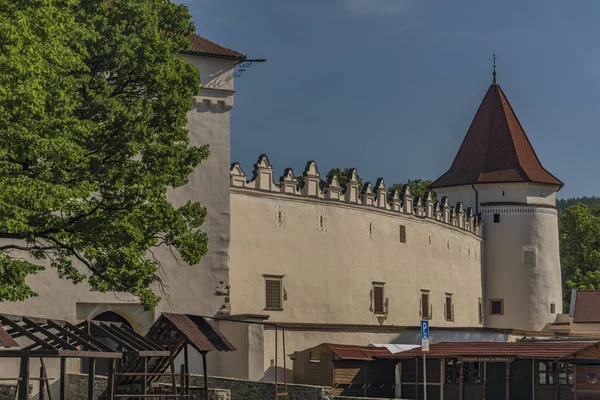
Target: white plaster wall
328	274
529	193
527	290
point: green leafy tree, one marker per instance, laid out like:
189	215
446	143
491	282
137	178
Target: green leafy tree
579	249
418	187
93	103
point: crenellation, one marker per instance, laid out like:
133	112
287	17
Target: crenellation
394	200
334	190
351	194
377	196
288	183
367	195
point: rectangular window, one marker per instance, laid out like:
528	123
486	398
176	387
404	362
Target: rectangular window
449	309
497	307
529	257
425	310
547	373
402	234
273	290
496	218
472	372
480	307
378	299
552	308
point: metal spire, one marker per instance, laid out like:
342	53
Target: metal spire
494	58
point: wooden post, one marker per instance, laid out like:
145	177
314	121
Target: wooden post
91	376
284	357
63	377
145	377
574	382
204	368
111	380
24	375
556	377
417	378
46	380
182	380
276	366
172	366
41	394
461	381
187	368
507	390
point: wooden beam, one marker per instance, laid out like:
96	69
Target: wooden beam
63	377
41	394
204	368
26	333
186	362
91	377
110	387
145	378
23	385
49	334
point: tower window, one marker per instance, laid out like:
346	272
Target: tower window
378	306
497	307
425	308
496	218
273	293
402	234
480	309
449	309
529	257
552	308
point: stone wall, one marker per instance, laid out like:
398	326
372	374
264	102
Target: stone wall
244	390
220	389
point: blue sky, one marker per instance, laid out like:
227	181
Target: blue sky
390	86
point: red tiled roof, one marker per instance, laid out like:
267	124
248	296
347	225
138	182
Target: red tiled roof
351	352
495	149
549	350
204	47
587	306
6	340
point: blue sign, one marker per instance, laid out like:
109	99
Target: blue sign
424	329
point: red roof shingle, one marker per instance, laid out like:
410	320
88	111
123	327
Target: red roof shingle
495	149
587	306
352	352
549	350
204	47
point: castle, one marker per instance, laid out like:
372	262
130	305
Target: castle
347	265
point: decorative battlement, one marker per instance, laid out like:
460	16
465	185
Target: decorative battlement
370	196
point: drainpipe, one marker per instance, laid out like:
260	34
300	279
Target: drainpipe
476	199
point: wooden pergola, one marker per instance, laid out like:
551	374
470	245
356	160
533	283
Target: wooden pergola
49	339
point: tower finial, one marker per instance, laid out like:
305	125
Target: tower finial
494	58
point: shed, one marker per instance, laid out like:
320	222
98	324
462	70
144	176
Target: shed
349	369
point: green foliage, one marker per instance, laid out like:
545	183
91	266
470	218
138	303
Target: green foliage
563	204
93	103
579	249
418	187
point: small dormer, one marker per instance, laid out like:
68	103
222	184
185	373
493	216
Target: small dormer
288	182
351	192
312	180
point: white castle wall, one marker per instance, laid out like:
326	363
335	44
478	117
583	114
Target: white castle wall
528	221
330	246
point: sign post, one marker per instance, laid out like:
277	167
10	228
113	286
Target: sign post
424	349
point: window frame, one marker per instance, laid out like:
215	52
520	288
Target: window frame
449	308
402	233
471	369
492	301
480	309
425	294
552	373
274	278
533	255
379	285
496	218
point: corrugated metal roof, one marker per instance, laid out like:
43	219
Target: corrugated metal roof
587	306
351	352
540	349
6	340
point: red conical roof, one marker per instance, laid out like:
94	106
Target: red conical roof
495	149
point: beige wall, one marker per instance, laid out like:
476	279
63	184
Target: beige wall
328	274
529	223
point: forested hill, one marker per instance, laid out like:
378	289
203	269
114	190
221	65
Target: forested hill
563	204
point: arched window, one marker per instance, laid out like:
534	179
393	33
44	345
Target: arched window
102	364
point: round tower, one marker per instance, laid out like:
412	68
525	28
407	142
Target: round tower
498	174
